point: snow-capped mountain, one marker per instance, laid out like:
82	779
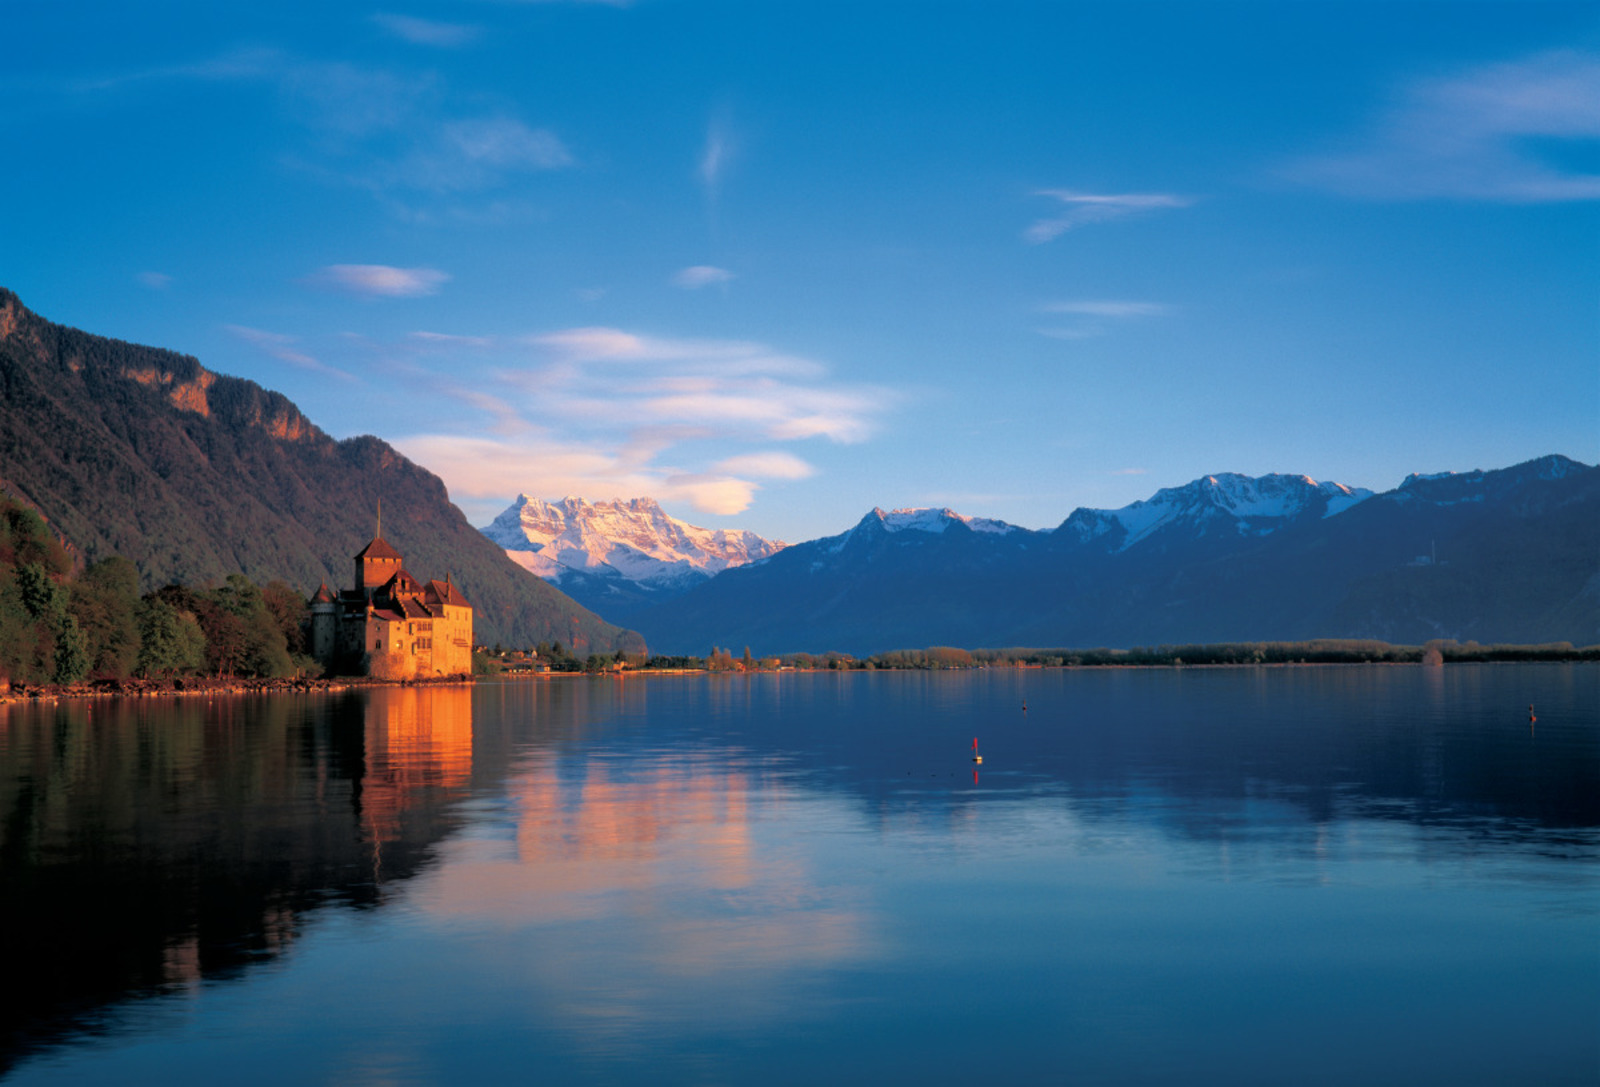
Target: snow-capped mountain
1222	504
616	555
919	519
1502	555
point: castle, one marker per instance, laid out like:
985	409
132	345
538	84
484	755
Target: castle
392	626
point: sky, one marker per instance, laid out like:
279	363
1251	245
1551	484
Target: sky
774	264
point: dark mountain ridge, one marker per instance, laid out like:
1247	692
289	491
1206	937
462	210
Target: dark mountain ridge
1223	559
194	475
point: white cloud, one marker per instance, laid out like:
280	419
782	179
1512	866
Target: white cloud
605	412
1107	308
724	358
1483	135
1129	471
281	347
770	465
700	275
426	31
380	280
156	281
1084	208
483	473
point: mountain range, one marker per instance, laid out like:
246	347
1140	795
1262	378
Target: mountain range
1504	555
195	475
619	556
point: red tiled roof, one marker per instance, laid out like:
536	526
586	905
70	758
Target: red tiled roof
445	592
378	549
324	595
388	616
400	581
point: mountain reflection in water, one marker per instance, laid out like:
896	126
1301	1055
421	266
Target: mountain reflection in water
799	877
151	843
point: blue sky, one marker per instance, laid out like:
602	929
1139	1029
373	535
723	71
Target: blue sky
778	263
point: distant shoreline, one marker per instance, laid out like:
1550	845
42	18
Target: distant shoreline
190	687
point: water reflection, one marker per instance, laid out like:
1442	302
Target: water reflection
147	845
733	878
642	898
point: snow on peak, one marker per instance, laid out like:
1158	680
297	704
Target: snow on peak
1252	504
634	538
928	519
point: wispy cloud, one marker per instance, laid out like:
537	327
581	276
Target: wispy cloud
1103	308
427	31
1494	133
711	358
397	134
1081	208
768	465
282	347
379	280
156	281
715	155
446	339
1129	471
1101	314
700	275
607	412
506	142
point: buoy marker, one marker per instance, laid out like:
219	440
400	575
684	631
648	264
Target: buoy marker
977	758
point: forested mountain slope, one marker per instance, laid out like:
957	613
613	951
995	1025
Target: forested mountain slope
193	475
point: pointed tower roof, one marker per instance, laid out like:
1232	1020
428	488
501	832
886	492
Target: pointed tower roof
324	594
379	548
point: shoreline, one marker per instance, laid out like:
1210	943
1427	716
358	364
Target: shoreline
190	687
210	687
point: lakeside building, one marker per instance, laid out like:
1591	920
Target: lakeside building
391	625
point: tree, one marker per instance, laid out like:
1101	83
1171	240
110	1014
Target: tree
59	651
170	640
288	609
244	636
105	603
72	652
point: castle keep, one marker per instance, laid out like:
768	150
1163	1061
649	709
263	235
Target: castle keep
392	626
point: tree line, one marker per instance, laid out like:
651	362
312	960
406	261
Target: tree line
61	625
1315	651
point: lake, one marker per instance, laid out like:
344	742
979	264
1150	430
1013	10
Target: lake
1320	875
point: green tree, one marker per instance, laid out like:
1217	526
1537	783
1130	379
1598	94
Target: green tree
72	652
105	602
170	640
244	637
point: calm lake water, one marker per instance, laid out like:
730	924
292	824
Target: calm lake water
1312	875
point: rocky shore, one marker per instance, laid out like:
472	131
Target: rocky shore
201	685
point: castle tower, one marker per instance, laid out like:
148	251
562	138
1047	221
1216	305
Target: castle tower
376	564
324	624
